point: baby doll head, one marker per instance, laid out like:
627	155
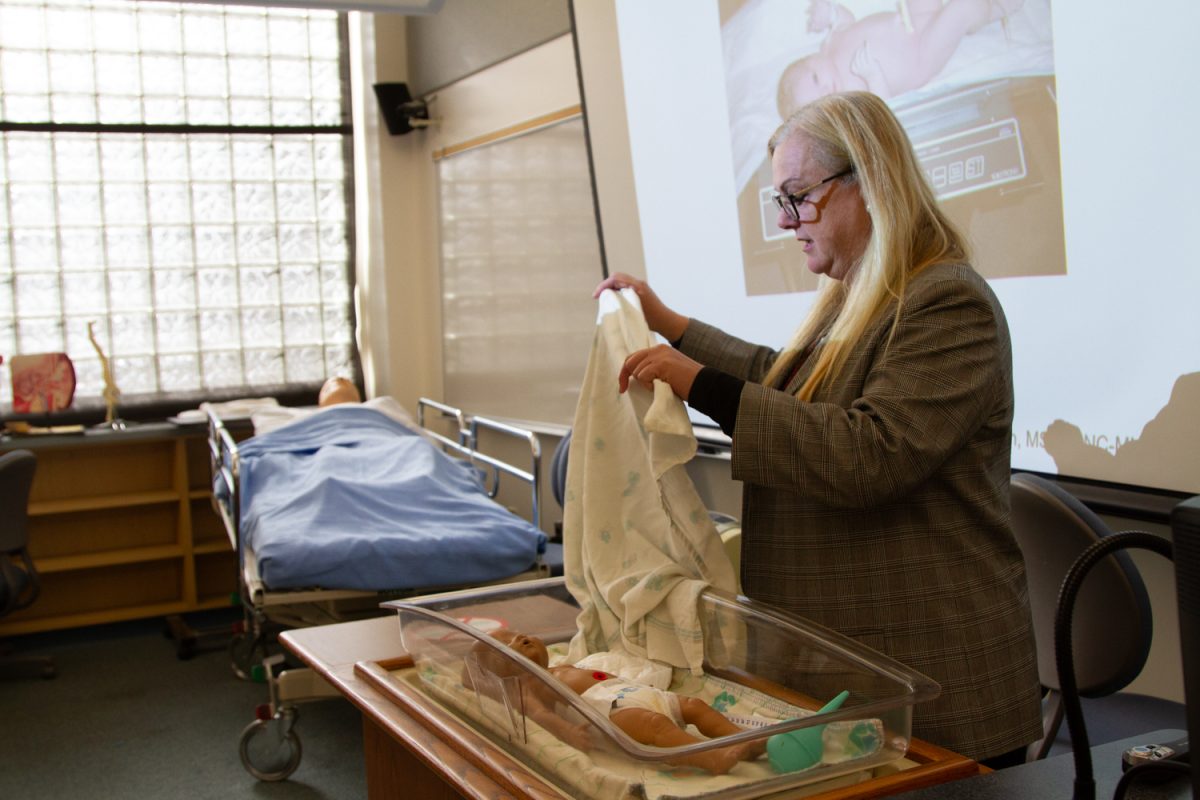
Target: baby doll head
529	646
489	661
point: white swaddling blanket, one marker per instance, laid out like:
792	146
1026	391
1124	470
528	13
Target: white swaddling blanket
639	546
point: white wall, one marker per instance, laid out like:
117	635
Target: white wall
399	297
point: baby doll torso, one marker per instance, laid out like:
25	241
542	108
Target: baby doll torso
580	680
606	692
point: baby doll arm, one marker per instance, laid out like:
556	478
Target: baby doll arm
540	704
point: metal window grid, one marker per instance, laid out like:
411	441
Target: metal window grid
191	195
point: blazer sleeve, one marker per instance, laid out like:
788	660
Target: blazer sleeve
712	347
901	411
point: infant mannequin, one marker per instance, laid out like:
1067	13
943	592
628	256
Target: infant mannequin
650	716
338	390
887	53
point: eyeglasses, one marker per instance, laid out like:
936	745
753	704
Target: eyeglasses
794	205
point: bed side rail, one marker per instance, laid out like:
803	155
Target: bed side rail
223	462
490	467
461	444
532	476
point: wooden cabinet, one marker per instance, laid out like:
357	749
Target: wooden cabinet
121	526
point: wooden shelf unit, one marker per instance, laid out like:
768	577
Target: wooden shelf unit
121	527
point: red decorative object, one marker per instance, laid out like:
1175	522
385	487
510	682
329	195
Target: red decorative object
42	383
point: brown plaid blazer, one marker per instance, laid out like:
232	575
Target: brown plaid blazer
881	508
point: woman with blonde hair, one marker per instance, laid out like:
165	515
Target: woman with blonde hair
874	449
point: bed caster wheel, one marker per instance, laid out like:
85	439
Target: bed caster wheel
246	653
269	748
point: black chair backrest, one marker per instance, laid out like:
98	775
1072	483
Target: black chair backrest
16	478
558	468
19	584
1112	623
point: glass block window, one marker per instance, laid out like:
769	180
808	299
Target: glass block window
179	176
520	259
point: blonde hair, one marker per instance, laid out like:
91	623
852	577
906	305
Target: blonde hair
909	231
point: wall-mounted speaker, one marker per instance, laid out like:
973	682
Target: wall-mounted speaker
400	111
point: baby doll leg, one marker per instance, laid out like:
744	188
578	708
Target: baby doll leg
659	730
713	724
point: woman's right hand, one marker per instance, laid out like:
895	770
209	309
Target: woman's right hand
659	317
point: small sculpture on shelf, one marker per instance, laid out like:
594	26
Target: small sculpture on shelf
111	392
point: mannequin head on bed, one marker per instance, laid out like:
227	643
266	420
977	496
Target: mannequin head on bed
641	721
338	390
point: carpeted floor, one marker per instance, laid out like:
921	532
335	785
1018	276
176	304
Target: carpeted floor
126	718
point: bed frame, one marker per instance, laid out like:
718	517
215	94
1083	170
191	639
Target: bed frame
269	747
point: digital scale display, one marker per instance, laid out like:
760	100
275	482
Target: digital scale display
973	160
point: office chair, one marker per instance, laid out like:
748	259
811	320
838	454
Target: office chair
558	468
1112	621
19	583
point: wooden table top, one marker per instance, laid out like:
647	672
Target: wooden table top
466	759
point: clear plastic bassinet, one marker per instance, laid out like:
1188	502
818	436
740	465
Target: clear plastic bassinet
766	670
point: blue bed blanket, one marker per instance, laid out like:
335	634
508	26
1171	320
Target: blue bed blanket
349	498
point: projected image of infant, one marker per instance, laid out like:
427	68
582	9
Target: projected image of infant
971	80
887	53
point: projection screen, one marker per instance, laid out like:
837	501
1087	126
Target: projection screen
1056	135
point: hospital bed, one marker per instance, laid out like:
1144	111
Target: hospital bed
344	507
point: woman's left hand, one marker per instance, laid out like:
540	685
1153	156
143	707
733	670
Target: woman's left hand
661	362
